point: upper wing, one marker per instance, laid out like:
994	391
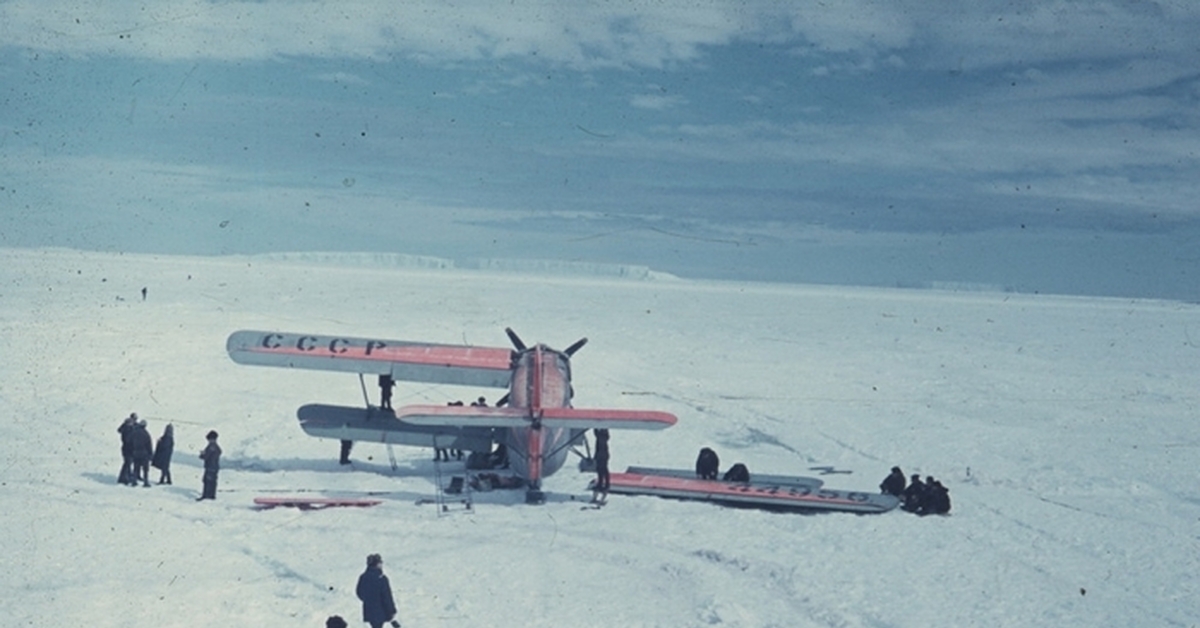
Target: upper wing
573	418
403	360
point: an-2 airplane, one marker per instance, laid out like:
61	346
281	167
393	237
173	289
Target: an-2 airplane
534	420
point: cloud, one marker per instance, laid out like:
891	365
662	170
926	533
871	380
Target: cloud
583	36
657	102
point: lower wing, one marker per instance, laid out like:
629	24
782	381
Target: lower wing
571	418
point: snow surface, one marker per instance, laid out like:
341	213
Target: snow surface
1065	429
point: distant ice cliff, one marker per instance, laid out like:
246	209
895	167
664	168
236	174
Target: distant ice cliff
526	266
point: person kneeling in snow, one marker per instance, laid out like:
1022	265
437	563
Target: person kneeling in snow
893	484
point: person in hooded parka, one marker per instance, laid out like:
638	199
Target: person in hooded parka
162	454
142	452
893	484
708	464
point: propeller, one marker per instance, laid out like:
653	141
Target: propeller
570	351
516	340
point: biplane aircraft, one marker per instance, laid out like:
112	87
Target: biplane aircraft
534	420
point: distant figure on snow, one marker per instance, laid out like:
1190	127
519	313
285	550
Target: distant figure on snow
600	490
347	445
335	621
212	464
142	450
893	484
162	454
143	294
737	473
126	432
376	594
707	464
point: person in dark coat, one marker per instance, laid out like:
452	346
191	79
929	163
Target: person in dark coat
600	492
376	594
893	484
126	432
707	464
336	621
386	383
212	464
937	499
162	454
737	473
142	451
914	494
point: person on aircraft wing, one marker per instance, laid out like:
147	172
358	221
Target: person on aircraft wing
376	594
346	446
600	493
707	464
142	451
162	454
893	484
737	473
212	464
386	383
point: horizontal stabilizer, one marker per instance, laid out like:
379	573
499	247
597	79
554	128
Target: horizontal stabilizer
473	416
570	418
588	418
403	360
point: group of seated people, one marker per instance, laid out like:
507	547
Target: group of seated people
923	498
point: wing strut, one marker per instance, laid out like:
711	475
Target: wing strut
366	399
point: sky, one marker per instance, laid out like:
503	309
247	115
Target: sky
1022	146
1064	427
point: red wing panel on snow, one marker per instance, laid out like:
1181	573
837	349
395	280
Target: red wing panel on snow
403	360
588	418
313	503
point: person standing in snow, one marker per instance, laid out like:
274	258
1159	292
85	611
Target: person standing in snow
162	454
142	450
126	432
376	594
601	458
212	464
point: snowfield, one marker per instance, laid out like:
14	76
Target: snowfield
1065	428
